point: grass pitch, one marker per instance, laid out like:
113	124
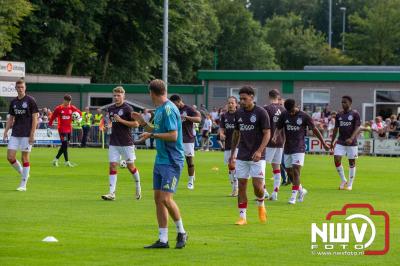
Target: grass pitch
65	203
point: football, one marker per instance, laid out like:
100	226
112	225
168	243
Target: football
76	116
122	164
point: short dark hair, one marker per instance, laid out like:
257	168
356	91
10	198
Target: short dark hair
348	98
273	94
157	87
175	98
289	104
68	97
247	89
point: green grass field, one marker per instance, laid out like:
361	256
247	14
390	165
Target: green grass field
65	203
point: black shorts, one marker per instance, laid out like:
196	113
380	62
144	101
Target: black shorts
205	133
65	136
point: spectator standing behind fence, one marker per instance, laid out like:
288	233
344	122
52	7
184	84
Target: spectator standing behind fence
206	130
378	128
76	131
96	125
86	124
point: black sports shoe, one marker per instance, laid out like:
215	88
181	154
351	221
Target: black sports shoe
181	239
158	244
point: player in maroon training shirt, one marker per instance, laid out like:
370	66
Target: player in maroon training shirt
63	114
252	134
23	119
121	142
348	124
294	123
274	151
188	116
226	128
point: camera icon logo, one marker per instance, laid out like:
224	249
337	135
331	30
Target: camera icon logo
356	229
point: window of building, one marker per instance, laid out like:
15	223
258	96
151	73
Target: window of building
96	100
312	100
220	92
387	102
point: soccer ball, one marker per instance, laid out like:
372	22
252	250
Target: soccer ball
122	164
76	116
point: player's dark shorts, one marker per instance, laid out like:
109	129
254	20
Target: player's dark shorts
166	177
205	133
64	136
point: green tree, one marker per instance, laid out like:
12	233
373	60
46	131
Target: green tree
130	43
241	43
375	35
12	12
194	29
296	45
59	35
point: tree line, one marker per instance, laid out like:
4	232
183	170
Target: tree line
120	41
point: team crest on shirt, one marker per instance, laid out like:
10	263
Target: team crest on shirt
299	121
226	120
120	112
253	118
184	113
350	117
24	105
340	118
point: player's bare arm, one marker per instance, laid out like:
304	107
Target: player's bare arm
171	136
321	138
35	118
334	133
125	122
148	127
9	124
354	135
235	143
221	133
266	137
194	119
276	134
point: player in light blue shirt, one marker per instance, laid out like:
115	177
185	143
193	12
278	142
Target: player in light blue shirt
167	131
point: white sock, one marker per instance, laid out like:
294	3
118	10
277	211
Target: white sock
25	175
235	183
294	194
163	234
242	213
17	166
260	201
191	179
179	226
113	183
277	181
340	171
352	175
136	176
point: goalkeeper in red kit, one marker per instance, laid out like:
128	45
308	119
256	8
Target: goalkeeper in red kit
63	113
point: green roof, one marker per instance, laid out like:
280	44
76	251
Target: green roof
281	75
129	88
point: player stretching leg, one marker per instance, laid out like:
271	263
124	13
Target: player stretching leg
252	133
188	117
348	124
294	124
167	131
63	113
23	119
226	128
274	151
121	142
